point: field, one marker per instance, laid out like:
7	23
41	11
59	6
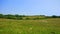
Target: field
43	26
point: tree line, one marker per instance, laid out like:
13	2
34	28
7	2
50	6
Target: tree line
53	16
20	17
9	16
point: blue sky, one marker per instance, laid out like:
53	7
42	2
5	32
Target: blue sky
30	7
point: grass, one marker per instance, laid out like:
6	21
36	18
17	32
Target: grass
44	26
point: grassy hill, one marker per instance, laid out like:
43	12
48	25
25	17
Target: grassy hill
44	26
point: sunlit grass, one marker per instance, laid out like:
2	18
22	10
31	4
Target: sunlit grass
45	26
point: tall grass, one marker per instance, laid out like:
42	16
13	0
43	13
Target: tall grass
44	26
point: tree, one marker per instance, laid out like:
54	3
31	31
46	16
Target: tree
17	15
1	15
9	16
54	16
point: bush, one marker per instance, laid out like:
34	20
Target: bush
27	18
36	18
1	15
19	18
54	16
9	16
52	32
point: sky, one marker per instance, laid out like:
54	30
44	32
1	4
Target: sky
30	7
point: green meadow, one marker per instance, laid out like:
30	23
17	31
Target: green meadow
43	26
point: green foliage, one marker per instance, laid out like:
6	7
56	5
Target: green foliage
54	16
17	15
1	15
52	32
9	16
36	18
27	18
20	17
